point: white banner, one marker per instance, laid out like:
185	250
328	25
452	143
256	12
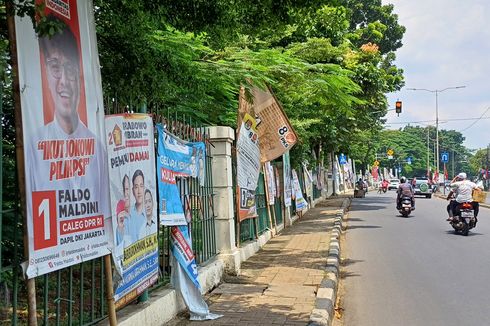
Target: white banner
67	188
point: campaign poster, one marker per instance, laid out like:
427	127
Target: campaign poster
178	159
271	183
131	160
299	200
67	190
308	181
276	134
288	188
248	167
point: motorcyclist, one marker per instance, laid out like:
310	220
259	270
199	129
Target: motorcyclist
404	189
384	186
360	184
462	190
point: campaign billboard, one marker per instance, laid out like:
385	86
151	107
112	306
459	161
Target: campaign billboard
67	191
131	159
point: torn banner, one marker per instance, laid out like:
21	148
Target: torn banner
178	158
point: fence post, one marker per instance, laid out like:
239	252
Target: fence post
221	152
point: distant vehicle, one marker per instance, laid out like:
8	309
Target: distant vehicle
422	188
394	183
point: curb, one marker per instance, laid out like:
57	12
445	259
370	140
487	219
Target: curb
323	313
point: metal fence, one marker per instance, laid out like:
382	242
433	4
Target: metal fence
76	295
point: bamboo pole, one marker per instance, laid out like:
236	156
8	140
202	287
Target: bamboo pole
111	306
19	154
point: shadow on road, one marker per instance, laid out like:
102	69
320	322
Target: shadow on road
452	232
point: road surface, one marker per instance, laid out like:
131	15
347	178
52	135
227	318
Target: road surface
413	271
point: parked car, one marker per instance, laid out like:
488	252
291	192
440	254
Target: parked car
394	183
422	188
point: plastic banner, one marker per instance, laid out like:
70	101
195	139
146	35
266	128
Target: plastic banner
248	168
67	191
288	190
308	181
178	158
298	194
131	160
275	132
271	182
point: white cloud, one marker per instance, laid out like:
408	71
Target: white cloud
446	44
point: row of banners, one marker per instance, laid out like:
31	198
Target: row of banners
91	179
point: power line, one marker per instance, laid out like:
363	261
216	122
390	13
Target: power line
445	120
473	123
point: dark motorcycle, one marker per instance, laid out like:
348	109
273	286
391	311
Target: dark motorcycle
464	218
405	207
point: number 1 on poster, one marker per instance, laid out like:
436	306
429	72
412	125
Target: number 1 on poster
44	219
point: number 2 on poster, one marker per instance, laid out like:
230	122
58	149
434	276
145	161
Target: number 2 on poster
44	219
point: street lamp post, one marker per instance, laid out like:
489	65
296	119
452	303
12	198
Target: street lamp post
436	91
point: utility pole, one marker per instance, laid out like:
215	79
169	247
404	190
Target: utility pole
486	170
436	91
428	164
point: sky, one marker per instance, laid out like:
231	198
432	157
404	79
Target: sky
446	44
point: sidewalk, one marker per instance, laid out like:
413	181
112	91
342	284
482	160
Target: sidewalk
278	285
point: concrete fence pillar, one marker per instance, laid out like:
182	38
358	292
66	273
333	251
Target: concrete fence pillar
221	152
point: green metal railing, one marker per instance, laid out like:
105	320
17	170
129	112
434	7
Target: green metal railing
261	204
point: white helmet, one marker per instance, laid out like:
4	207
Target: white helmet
461	176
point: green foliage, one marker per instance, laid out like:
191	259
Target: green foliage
480	160
329	62
411	142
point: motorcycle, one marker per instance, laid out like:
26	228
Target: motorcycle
405	206
464	218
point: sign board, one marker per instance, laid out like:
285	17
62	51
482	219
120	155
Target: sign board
67	184
342	159
445	157
390	152
376	163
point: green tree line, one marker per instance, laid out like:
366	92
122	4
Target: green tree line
330	63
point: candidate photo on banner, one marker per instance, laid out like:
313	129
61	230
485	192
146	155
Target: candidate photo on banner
65	157
248	167
131	160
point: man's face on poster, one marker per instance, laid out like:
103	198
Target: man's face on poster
64	82
127	195
148	206
139	189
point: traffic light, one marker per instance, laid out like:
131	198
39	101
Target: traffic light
398	107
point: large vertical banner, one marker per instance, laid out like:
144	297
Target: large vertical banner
299	200
178	158
288	187
248	167
131	160
68	213
271	183
308	181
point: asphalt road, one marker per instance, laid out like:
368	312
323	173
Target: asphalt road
413	271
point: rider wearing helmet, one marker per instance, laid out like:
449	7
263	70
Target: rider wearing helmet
404	189
463	192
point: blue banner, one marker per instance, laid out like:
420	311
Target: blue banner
178	158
